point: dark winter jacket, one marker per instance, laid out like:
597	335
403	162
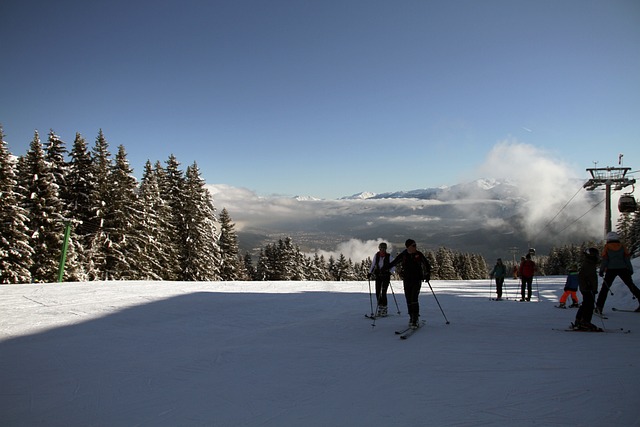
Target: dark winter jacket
615	257
588	274
415	266
572	281
499	271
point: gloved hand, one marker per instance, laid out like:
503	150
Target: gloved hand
426	277
369	275
601	273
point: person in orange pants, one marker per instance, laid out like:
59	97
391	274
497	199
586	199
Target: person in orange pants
570	288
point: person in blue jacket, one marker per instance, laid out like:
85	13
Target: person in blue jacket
498	273
570	288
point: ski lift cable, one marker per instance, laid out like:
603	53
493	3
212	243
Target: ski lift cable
560	211
581	216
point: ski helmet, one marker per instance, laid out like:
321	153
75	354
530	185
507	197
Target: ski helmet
612	236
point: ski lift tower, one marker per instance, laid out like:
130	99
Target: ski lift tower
612	178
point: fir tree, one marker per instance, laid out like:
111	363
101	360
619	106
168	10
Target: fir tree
172	189
44	210
446	270
157	260
202	254
121	217
250	271
97	246
15	252
232	267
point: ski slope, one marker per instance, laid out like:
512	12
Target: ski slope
303	354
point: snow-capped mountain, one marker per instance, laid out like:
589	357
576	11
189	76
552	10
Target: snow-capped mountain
492	217
489	189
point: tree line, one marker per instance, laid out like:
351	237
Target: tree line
164	227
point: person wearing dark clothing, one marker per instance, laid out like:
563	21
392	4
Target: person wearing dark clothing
570	288
380	271
499	272
588	282
616	262
415	268
527	270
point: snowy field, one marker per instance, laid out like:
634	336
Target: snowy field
303	354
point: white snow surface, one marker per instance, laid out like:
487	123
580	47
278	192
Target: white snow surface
303	354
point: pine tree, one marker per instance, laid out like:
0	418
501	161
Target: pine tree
97	247
446	269
232	267
202	255
121	218
44	210
155	231
55	153
76	199
250	270
172	189
15	252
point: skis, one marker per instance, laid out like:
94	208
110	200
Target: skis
574	329
623	310
623	331
368	316
407	332
566	306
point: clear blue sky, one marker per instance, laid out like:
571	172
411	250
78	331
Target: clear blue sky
326	98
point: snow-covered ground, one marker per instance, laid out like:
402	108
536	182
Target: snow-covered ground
303	354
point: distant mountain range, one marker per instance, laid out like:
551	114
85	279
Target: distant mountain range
491	217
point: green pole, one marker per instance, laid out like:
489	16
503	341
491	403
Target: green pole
63	256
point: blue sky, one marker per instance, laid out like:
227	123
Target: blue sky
327	98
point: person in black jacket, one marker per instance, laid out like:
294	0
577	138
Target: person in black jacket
588	282
382	275
415	268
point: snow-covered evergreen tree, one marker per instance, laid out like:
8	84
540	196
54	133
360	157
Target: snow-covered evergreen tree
96	248
155	231
232	266
15	251
446	270
172	189
202	260
121	218
46	223
78	206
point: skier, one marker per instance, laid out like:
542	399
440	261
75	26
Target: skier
588	282
499	272
527	270
616	262
570	288
415	268
382	276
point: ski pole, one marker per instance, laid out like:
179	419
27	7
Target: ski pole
604	283
394	298
434	295
490	282
537	289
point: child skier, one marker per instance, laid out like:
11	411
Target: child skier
570	288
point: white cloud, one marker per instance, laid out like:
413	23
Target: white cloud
547	183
